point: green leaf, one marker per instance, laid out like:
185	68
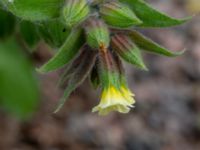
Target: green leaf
18	86
34	10
149	45
66	53
54	32
72	66
29	34
152	17
8	22
79	75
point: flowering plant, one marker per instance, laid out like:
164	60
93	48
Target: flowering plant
92	38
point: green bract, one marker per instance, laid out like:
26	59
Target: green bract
123	45
97	34
75	12
91	39
119	15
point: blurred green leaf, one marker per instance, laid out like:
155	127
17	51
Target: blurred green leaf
34	10
149	45
66	53
18	86
29	34
152	17
7	24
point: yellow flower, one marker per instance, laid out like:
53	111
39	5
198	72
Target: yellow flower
114	99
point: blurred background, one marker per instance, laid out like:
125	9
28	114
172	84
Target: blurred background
167	112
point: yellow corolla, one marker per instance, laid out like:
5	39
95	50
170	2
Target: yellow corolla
114	99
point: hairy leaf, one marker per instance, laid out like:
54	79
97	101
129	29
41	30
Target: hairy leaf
152	17
79	75
127	50
66	53
72	66
149	45
54	32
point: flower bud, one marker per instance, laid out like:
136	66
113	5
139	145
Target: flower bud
123	45
119	15
97	34
75	12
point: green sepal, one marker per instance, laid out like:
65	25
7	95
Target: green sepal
128	51
79	75
121	70
107	70
8	23
134	57
148	45
108	78
75	12
69	70
152	17
29	34
66	53
97	34
119	15
54	32
34	10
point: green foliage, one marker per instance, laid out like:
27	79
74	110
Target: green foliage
97	34
29	34
18	86
79	75
128	50
119	15
80	30
152	17
34	10
75	12
66	53
53	32
150	46
7	24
